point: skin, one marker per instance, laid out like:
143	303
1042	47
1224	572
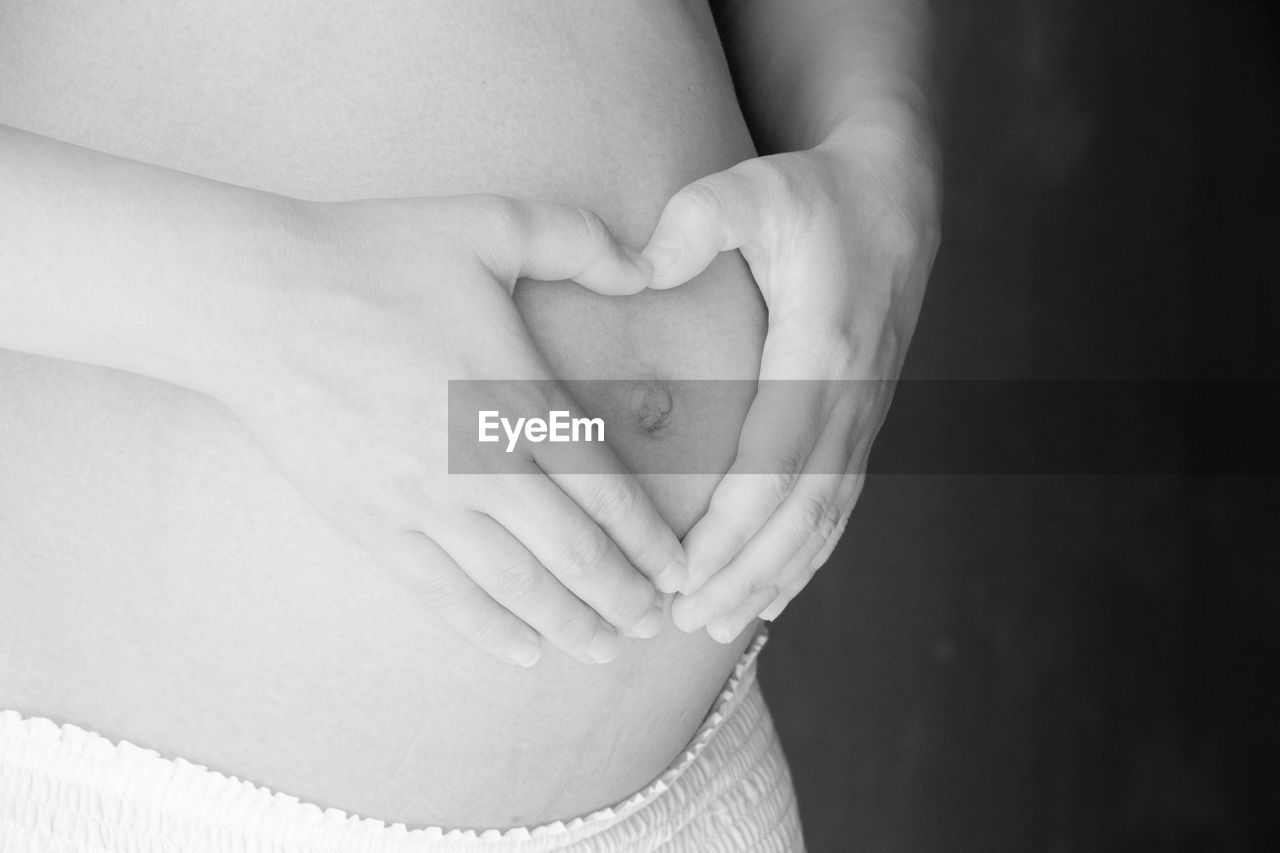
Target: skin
840	231
859	206
358	372
165	583
622	723
468	545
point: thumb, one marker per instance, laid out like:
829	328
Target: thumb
712	215
553	242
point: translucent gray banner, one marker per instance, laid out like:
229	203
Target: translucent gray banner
663	426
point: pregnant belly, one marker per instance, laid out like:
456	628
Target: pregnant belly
162	584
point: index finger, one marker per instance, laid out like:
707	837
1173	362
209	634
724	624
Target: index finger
613	498
781	430
580	554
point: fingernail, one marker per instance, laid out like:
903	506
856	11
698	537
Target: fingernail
672	577
722	632
662	256
604	646
638	260
690	617
652	624
526	653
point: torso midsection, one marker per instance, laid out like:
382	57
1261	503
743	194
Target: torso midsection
163	584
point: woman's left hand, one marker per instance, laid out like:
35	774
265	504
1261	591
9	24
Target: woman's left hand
840	239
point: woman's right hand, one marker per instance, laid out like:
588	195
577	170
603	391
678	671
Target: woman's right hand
341	374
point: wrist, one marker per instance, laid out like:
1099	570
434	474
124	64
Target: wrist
267	255
892	155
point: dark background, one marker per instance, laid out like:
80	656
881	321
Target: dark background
1052	662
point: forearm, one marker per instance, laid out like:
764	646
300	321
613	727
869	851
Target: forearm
808	69
118	263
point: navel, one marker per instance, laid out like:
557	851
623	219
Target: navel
651	403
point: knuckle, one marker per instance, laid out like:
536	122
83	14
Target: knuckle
367	520
830	521
841	523
593	226
505	217
783	483
515	581
783	185
489	629
787	189
584	554
613	505
762	589
410	495
829	542
577	629
780	469
698	200
783	480
765	173
493	227
792	463
811	513
440	594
